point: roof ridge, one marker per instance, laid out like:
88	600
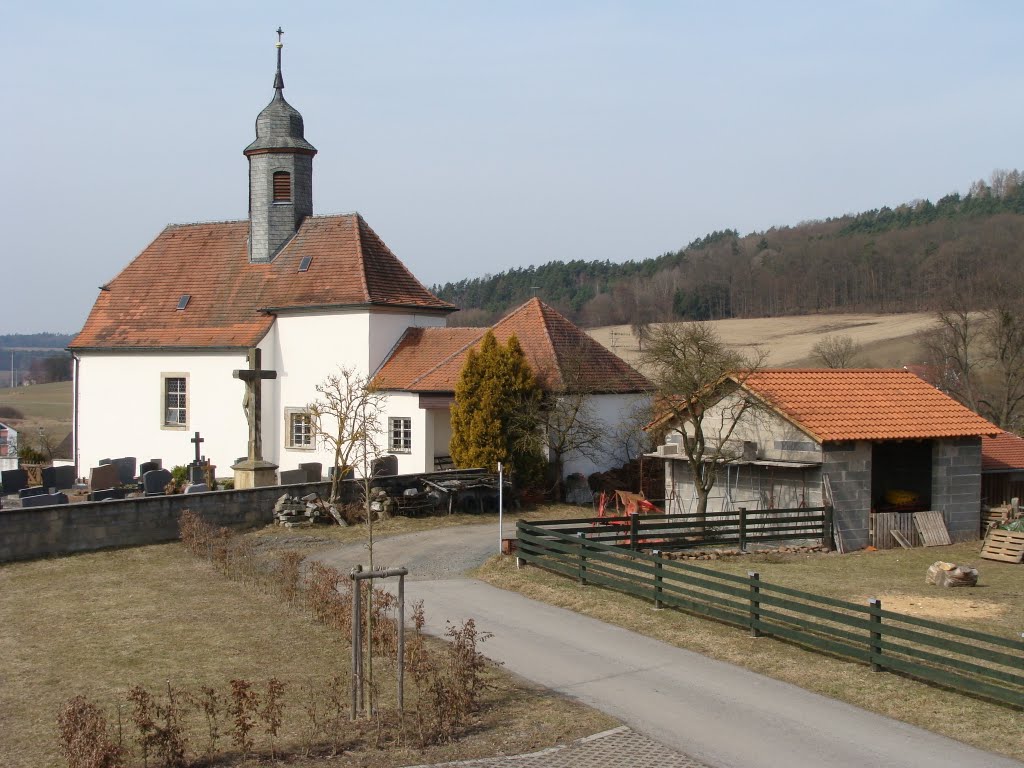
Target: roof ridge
205	222
361	258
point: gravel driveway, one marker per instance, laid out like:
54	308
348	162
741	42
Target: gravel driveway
442	553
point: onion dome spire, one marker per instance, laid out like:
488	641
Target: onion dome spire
279	125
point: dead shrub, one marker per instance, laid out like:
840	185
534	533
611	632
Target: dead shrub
160	732
288	574
243	709
85	741
272	710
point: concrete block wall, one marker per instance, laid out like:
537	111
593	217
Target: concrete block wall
956	485
848	466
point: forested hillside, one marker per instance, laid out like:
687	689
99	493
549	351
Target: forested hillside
914	257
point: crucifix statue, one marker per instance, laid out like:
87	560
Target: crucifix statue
253	377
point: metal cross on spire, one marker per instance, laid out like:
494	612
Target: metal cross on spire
279	78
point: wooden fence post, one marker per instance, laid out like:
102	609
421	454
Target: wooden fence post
755	602
876	635
826	534
743	529
634	530
659	569
582	558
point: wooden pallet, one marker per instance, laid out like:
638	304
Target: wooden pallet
932	529
883	523
1006	546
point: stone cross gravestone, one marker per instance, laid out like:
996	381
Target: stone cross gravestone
154	482
252	402
104	476
254	471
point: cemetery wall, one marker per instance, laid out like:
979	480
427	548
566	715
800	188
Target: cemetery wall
27	534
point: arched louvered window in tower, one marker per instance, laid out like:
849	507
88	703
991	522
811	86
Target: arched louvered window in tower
282	187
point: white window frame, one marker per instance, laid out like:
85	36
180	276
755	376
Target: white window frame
399	434
185	405
290	415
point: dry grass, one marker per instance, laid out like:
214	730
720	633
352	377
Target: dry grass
887	339
895	575
44	405
96	624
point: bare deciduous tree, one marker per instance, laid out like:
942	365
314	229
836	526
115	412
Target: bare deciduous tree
978	358
346	417
836	351
691	368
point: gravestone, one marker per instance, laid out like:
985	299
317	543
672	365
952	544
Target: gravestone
44	500
149	466
385	465
197	473
13	480
196	488
314	471
293	476
58	477
33	490
104	462
159	463
155	482
125	469
103	476
348	474
106	494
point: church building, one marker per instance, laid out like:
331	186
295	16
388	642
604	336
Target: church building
154	362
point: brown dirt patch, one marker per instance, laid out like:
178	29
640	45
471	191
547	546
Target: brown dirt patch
939	607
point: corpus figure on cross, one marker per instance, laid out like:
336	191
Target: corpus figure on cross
251	403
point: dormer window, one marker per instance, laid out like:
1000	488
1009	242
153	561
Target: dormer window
282	187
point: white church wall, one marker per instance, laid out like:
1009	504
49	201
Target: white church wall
611	412
309	348
406	405
121	408
386	328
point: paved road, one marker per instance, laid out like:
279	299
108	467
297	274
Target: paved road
718	713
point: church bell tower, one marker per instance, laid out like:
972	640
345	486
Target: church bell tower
280	174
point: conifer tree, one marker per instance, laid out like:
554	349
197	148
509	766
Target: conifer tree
495	388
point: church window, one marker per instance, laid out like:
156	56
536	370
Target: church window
400	431
299	427
175	400
282	187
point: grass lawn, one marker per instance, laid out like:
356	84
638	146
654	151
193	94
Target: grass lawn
895	576
43	405
96	624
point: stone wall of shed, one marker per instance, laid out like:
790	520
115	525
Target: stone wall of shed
848	466
956	485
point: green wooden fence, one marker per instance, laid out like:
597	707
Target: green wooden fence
671	532
962	659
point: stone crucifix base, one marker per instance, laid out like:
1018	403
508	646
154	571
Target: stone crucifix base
254	474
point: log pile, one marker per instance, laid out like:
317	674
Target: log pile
951	575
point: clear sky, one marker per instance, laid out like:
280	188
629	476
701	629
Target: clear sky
477	137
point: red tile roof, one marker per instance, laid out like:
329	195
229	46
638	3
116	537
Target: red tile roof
230	297
868	404
560	353
1002	453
